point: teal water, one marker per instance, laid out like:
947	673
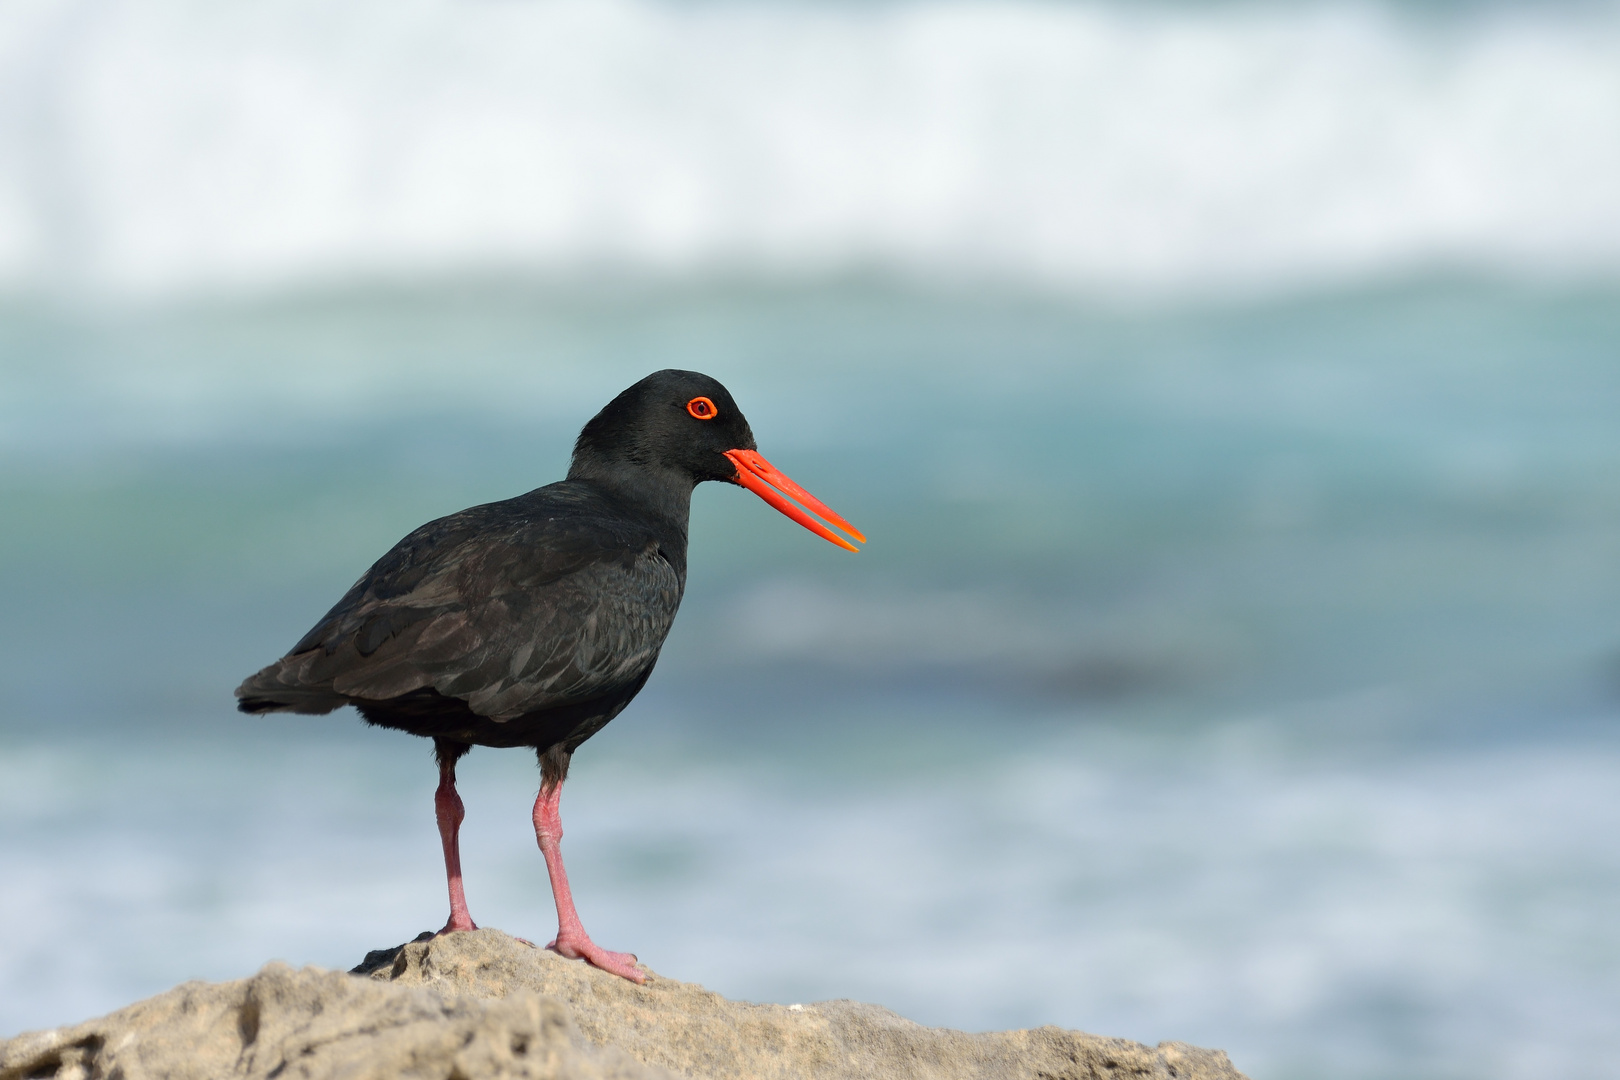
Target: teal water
1238	673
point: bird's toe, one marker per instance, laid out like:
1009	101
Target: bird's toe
616	963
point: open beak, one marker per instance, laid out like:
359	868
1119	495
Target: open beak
771	484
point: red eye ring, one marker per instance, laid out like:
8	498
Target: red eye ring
702	408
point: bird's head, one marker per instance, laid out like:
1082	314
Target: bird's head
682	428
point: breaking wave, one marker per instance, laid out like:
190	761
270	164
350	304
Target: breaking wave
164	146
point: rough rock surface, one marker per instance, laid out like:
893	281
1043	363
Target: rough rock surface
483	1005
320	1024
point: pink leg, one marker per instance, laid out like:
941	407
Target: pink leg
447	805
571	940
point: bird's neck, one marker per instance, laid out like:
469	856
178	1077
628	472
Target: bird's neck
662	493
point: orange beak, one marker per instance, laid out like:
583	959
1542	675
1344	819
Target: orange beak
771	484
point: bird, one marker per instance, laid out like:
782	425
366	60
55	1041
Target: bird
533	621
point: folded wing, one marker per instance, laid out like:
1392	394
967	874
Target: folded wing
511	615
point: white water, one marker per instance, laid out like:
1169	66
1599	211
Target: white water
163	146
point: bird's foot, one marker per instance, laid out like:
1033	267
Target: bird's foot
456	924
583	948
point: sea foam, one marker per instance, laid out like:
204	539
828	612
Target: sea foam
167	146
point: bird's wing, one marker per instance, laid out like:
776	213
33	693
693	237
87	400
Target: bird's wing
511	619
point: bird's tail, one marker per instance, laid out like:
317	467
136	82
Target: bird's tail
278	689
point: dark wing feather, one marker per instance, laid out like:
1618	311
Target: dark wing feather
510	612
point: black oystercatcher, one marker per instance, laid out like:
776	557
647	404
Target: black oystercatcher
534	621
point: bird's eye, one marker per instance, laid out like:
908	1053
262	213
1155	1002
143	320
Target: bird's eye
702	408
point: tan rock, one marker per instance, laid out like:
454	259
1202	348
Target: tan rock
483	1005
320	1024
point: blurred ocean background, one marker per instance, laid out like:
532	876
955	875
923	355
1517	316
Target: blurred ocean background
1230	392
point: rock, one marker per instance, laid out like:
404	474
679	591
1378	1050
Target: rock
482	1005
321	1024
